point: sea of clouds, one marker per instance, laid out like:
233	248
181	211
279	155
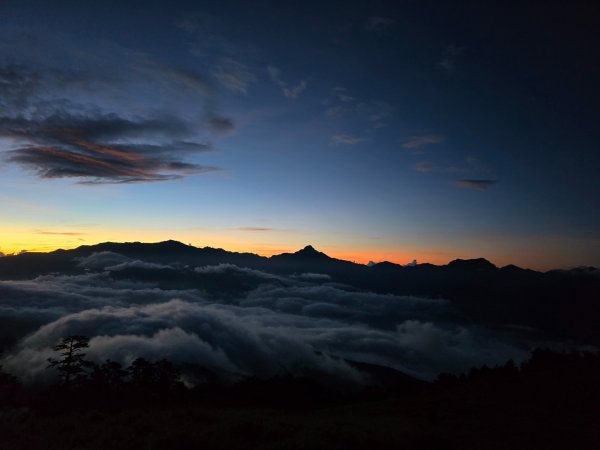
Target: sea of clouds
238	321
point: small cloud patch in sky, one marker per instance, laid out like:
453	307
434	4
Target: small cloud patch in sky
418	142
58	233
221	125
234	75
426	167
345	139
476	185
342	94
291	92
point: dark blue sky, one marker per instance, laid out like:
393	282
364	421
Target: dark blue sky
387	130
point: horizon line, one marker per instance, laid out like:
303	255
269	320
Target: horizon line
46	251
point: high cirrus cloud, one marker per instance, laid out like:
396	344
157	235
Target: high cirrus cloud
126	127
271	326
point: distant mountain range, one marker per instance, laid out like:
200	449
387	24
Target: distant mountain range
563	303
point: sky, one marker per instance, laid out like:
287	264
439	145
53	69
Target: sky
376	131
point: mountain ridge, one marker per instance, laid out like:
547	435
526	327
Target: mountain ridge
308	252
562	303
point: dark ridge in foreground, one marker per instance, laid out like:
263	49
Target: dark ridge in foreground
563	303
549	402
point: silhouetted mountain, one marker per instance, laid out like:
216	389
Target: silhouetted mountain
565	303
172	252
471	264
310	260
308	253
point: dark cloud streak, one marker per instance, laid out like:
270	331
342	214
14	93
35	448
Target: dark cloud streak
58	134
59	233
476	185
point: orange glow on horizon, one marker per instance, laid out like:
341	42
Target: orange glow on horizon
71	241
20	237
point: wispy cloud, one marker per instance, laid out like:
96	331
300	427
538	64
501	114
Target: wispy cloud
376	112
98	142
418	142
476	185
221	125
70	146
233	75
345	139
335	111
257	229
342	104
291	92
424	167
342	94
58	233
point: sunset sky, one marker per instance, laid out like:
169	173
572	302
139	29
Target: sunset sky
380	131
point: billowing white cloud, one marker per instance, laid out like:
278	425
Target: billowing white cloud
270	326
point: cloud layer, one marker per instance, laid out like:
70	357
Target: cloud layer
236	320
142	122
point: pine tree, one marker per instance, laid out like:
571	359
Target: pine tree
71	365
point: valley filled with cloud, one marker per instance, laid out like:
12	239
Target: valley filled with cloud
239	322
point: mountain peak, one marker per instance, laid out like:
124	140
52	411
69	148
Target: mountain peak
310	252
472	264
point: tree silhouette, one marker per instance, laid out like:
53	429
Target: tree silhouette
7	379
71	365
157	375
166	375
141	372
108	374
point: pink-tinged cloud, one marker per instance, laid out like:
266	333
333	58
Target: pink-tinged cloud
476	185
67	140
